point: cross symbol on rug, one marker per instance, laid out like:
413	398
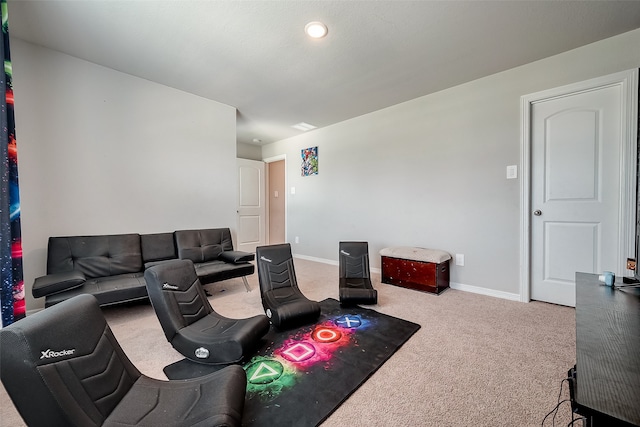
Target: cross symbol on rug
349	322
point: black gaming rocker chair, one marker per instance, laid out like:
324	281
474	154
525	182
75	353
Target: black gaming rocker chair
355	278
189	322
282	300
63	367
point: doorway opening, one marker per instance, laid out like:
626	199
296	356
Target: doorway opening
276	182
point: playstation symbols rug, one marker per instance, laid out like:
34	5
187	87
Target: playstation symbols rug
299	377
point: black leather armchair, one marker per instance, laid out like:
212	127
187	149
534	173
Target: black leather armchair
189	322
355	278
64	367
282	300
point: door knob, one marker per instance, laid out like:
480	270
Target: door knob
537	212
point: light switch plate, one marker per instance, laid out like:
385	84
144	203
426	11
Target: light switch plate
512	172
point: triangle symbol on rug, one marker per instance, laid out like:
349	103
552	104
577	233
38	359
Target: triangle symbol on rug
262	371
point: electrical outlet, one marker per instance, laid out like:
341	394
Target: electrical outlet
297	239
460	259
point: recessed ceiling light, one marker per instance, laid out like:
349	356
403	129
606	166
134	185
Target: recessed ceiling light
257	140
303	126
316	29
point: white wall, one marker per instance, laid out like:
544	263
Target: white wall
249	151
431	172
104	152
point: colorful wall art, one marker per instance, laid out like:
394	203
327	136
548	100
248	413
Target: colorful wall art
309	161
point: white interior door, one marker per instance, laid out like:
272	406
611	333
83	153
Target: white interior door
251	205
575	190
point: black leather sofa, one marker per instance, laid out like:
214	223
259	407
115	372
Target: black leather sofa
111	267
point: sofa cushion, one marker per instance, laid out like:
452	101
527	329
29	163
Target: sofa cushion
203	245
236	257
95	256
58	282
107	290
214	271
157	247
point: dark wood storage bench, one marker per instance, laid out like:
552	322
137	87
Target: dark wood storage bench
416	268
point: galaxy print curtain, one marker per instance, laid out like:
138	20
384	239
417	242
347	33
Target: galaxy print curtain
12	291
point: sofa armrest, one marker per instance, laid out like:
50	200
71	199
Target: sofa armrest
236	257
58	282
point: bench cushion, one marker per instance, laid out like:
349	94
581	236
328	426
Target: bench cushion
416	254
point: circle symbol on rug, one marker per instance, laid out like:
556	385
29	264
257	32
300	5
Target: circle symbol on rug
264	371
299	351
324	334
348	321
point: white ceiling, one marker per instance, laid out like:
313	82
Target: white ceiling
254	55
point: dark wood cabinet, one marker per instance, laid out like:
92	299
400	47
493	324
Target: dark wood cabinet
418	275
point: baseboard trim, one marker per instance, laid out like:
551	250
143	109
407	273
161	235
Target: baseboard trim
452	285
312	258
484	291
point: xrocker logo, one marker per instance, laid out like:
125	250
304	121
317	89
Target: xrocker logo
48	354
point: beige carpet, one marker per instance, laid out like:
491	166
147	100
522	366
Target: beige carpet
476	361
